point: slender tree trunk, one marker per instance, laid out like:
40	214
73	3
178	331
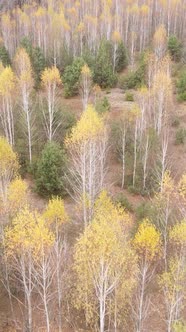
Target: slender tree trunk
141	302
123	157
135	155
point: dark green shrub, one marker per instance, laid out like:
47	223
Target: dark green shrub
68	120
22	155
121	58
181	86
71	77
4	56
50	170
38	63
123	200
103	73
182	97
129	96
88	57
64	59
144	210
27	45
180	136
134	79
103	105
175	48
138	188
134	190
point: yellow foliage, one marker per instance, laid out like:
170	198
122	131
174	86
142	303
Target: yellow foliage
7	82
72	11
85	71
182	186
6	20
66	25
178	234
80	27
88	127
24	18
162	80
134	9
144	9
77	4
160	35
109	3
97	89
168	184
105	208
91	19
143	90
17	195
173	280
55	212
51	76
103	249
147	241
22	60
116	36
23	68
167	192
1	67
8	158
40	12
134	113
27	232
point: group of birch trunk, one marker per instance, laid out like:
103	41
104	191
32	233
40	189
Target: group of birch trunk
146	124
34	258
113	274
111	269
17	96
53	25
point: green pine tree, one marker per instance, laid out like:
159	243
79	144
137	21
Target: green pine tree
50	170
4	56
103	69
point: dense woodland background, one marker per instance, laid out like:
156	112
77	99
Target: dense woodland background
92	165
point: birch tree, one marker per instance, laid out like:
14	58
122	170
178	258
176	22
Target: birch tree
172	281
182	195
51	81
162	89
17	196
103	260
147	243
25	84
87	148
7	91
56	217
164	206
135	118
163	157
116	38
8	167
120	141
85	85
160	41
44	270
23	244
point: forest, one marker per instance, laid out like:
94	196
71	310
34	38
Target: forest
93	166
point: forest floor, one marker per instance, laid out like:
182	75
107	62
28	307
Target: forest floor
177	161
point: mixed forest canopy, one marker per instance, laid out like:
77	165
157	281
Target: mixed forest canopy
92	165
